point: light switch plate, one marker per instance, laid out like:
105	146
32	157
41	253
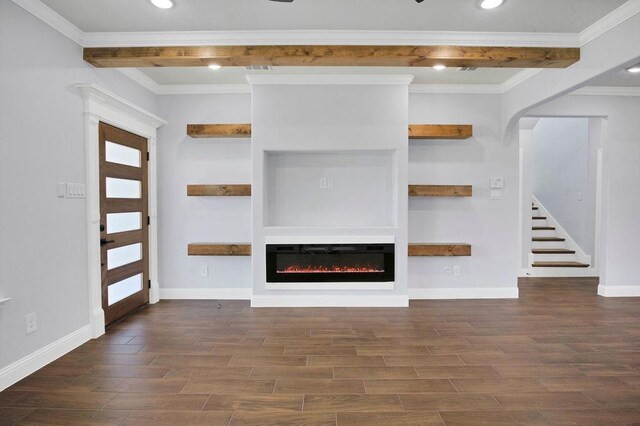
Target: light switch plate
76	190
497	183
62	189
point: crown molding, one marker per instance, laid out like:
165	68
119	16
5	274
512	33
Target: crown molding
610	21
330	37
142	79
606	91
327	79
52	18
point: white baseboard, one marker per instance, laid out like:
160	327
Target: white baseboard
524	273
464	293
619	290
43	356
337	301
205	293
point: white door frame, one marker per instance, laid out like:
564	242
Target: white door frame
101	105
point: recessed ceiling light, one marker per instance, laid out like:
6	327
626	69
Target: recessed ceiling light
439	67
489	4
215	67
162	4
634	69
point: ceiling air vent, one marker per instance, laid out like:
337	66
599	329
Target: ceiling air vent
259	68
467	68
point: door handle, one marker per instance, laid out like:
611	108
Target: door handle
104	241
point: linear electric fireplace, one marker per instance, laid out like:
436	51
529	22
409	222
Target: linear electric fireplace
330	263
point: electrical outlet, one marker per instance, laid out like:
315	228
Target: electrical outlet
580	196
32	322
496	194
447	270
204	271
456	271
324	182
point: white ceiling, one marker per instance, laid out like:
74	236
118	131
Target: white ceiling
561	16
618	78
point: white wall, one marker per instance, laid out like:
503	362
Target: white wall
619	248
562	151
491	227
43	238
183	160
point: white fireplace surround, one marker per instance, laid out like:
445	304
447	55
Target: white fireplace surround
351	133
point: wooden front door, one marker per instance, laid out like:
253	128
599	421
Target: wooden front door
124	237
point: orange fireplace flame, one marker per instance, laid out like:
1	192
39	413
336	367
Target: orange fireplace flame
334	269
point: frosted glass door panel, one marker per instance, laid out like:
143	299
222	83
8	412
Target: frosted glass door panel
123	289
120	154
123	188
123	222
124	255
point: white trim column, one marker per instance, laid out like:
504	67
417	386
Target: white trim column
103	106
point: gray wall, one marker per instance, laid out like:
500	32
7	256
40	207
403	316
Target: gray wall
43	253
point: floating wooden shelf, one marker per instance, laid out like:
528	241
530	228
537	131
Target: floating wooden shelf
440	190
219	130
212	249
219	190
439	249
440	131
416	131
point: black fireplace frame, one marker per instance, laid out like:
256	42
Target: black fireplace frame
384	249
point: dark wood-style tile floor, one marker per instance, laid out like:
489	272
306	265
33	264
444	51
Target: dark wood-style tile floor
558	355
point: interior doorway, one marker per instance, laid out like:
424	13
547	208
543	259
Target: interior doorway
560	196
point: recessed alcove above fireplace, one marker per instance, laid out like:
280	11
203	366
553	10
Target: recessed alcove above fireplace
330	189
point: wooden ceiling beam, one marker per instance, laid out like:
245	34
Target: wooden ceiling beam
373	56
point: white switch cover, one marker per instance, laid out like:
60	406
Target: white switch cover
324	182
497	183
76	190
580	196
496	195
456	271
204	271
62	189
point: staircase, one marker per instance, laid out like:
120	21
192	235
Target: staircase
553	252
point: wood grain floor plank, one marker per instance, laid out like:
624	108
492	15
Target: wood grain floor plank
157	402
493	418
278	373
457	372
546	400
269	403
249	418
212	385
390	386
10	416
449	402
374	373
498	385
352	402
593	417
298	387
334	361
416	418
74	417
422	360
64	400
172	418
